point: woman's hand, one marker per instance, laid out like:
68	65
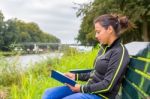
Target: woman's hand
75	88
70	75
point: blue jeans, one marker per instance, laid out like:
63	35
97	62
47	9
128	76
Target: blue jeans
64	92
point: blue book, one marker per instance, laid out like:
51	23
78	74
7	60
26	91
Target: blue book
81	70
62	78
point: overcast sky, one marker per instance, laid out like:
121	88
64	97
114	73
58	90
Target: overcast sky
56	17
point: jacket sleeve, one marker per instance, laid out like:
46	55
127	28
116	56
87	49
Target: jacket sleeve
82	76
117	63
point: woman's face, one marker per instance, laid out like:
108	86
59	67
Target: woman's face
102	34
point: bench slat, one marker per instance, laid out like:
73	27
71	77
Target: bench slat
146	86
125	95
139	64
132	92
138	80
133	77
145	53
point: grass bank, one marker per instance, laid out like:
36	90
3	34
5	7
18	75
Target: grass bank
30	84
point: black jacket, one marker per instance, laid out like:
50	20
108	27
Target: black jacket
109	69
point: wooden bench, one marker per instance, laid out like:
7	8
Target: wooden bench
136	83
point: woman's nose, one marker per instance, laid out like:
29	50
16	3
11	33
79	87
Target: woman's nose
96	35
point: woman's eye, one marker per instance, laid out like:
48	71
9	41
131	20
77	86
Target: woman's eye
97	32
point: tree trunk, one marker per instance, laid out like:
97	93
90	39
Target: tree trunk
145	30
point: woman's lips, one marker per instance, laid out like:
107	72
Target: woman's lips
99	40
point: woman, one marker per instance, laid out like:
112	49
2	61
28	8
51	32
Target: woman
109	66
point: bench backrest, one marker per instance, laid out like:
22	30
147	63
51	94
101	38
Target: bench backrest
136	84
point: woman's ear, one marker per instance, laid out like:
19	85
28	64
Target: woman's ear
110	29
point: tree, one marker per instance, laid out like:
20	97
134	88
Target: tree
1	29
11	34
138	11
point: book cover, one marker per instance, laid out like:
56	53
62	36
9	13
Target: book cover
62	78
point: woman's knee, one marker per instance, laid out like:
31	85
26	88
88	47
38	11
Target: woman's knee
48	94
57	92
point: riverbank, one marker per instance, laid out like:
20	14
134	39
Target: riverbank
31	83
14	53
2	53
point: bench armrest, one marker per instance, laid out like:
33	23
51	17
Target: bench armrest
81	71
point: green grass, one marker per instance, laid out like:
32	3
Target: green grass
32	83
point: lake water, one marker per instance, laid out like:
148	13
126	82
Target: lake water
28	60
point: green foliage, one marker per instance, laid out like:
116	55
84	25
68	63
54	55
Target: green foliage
14	31
68	51
136	10
9	73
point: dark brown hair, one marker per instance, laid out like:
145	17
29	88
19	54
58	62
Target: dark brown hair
118	23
